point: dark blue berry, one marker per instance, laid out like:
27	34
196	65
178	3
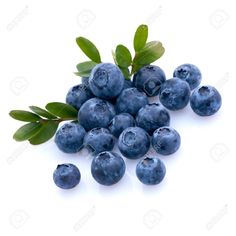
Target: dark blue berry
108	168
96	113
134	142
106	81
152	116
175	94
189	73
166	140
150	171
78	95
98	140
205	101
66	176
69	137
149	79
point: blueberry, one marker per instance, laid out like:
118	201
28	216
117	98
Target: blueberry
151	117
130	101
78	95
96	113
99	140
106	80
150	171
108	168
69	138
66	176
189	73
166	140
205	101
175	94
134	142
121	122
149	79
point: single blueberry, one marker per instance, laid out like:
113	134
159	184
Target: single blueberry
96	113
98	140
78	95
121	122
106	81
66	176
134	142
189	73
108	168
205	101
174	94
151	117
149	79
166	140
130	101
150	171
69	137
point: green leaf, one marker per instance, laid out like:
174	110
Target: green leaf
62	110
140	37
123	56
89	49
125	72
24	116
85	68
27	131
42	112
82	74
45	133
150	53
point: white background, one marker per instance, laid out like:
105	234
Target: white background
38	55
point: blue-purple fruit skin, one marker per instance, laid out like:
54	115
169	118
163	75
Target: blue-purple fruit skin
134	142
66	176
205	100
78	95
98	140
120	122
130	101
189	73
69	137
108	168
106	81
148	79
152	116
150	171
96	113
175	94
166	140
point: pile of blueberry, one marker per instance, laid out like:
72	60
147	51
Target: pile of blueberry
112	109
